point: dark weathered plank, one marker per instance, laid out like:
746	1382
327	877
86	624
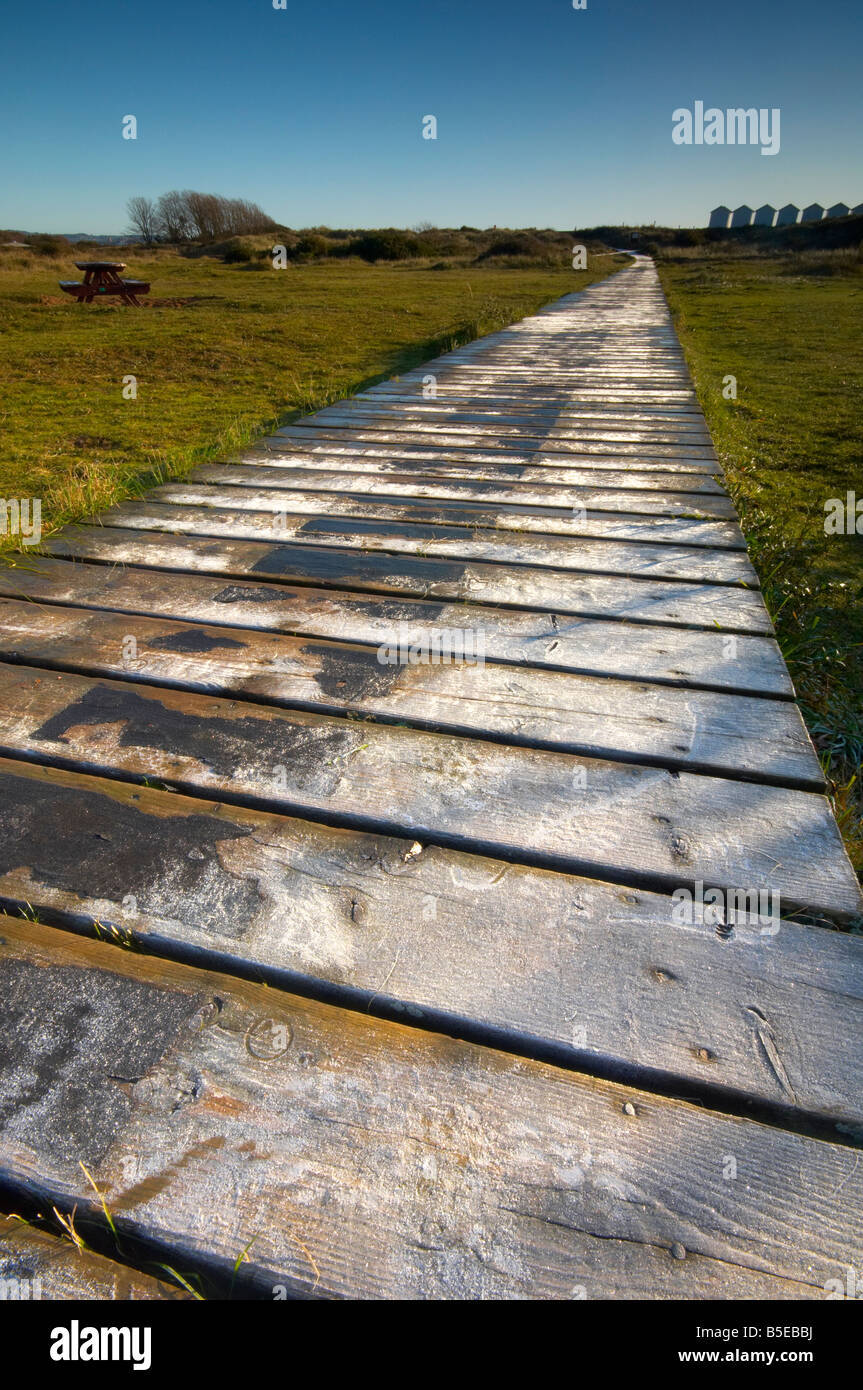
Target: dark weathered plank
737	736
666	602
36	1266
354	1157
706	660
610	980
627	823
304	517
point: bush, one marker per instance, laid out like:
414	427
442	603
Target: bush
689	236
385	246
309	246
517	244
50	246
237	251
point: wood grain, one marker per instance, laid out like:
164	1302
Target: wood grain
506	462
539	481
399	529
446	687
626	823
600	976
299	434
221	551
357	1158
702	660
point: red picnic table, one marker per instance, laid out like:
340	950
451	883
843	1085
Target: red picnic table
102	278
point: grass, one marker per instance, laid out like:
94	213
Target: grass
786	326
223	352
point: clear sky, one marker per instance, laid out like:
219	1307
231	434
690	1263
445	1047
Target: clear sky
547	116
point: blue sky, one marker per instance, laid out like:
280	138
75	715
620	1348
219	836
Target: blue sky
547	116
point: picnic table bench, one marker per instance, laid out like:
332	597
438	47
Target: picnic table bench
103	278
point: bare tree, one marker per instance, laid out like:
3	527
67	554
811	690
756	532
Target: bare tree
143	219
195	216
173	217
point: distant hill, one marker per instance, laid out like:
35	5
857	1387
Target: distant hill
8	234
103	240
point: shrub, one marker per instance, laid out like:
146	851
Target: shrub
689	236
309	246
50	246
237	251
517	244
385	246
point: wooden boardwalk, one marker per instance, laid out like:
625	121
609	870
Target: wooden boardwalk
409	1005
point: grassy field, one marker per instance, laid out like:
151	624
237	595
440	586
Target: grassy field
787	326
224	350
220	353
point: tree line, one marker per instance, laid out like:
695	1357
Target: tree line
189	216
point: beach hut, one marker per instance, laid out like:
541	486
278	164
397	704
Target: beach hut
765	216
787	216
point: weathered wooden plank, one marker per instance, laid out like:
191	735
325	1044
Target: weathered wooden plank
614	982
581	554
605	480
710	606
367	416
536	387
355	415
486	438
580	394
627	823
269	512
449	404
36	1266
354	1157
623	374
532	466
679	419
737	736
709	660
445	394
505	389
561	521
631	502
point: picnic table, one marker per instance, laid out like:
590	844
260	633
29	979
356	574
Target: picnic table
102	278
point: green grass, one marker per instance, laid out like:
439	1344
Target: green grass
224	353
787	326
